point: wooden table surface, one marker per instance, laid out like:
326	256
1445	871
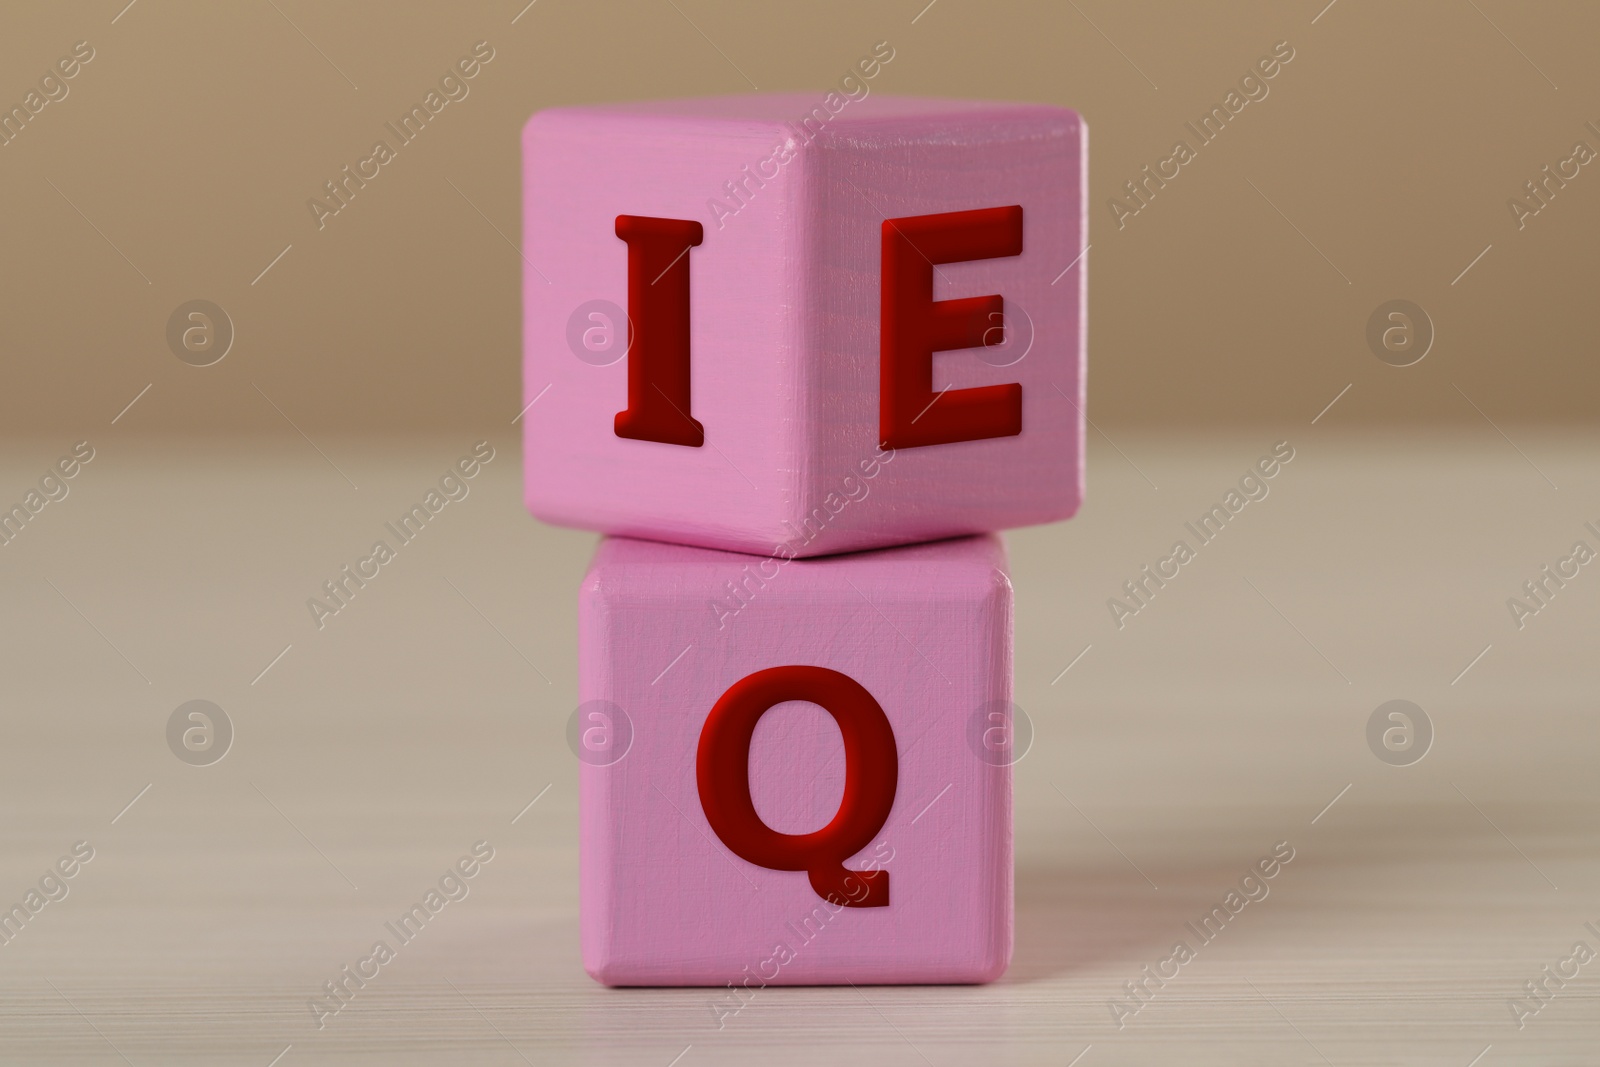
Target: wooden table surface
1228	715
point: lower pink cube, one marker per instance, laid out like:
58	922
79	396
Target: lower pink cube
795	771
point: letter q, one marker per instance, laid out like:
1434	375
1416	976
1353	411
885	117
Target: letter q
871	776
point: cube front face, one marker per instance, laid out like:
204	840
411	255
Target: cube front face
584	167
669	893
785	333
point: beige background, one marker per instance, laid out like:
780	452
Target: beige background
194	139
1170	755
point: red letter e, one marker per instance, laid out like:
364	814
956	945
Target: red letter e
915	326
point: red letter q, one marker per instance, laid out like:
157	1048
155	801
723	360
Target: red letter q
871	773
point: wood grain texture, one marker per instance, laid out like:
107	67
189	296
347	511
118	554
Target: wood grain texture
665	631
1187	743
784	301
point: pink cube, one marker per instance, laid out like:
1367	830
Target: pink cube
791	772
804	325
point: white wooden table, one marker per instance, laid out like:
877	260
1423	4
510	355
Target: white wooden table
1226	716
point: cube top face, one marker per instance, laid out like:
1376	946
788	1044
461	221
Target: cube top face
669	895
785	308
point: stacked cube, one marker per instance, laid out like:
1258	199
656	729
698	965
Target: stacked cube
798	359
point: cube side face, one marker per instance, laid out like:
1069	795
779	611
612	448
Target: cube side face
858	496
583	168
927	632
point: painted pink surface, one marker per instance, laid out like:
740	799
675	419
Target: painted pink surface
927	631
784	299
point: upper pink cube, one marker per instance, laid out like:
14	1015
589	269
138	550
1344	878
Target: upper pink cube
798	325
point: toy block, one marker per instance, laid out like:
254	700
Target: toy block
794	776
783	324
